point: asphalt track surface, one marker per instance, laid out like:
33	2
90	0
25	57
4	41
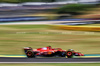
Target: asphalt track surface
48	60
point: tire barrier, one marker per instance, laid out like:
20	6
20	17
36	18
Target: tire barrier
77	28
21	19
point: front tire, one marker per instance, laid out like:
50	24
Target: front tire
30	54
69	54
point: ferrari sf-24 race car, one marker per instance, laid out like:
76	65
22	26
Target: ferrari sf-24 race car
50	52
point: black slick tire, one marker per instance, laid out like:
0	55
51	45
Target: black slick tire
30	54
69	54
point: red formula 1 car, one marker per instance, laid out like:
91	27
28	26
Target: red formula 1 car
50	52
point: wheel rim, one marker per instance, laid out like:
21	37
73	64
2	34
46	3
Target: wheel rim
29	53
69	53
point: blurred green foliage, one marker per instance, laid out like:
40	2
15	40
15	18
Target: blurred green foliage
74	8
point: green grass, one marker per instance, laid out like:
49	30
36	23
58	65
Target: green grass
14	37
25	26
59	64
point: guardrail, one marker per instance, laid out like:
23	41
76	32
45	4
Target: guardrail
21	19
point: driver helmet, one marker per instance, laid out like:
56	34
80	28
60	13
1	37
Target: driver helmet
70	50
49	47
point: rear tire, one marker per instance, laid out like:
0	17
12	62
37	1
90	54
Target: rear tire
30	54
